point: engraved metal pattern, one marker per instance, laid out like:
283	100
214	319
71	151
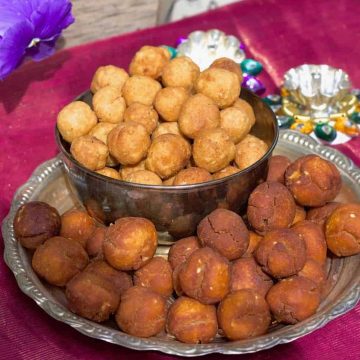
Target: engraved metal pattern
343	297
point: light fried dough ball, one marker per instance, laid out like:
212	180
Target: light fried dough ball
249	151
213	150
75	119
109	75
125	171
142	114
236	123
198	112
129	143
149	61
192	175
246	108
181	71
109	172
228	64
168	154
141	89
166	128
90	152
143	177
220	85
109	105
168	102
227	171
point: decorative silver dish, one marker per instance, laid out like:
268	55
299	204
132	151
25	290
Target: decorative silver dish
48	183
203	47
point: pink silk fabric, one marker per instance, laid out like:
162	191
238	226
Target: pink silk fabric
279	33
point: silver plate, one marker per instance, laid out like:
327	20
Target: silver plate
48	183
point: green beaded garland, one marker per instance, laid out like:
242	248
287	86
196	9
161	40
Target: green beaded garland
355	117
325	132
273	100
251	67
284	121
171	50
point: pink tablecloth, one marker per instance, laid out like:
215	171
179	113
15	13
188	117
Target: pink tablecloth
281	34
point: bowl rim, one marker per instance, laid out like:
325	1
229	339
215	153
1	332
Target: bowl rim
172	188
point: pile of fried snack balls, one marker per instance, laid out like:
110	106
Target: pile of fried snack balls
233	278
166	123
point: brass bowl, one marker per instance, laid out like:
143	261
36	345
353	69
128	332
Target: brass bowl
175	210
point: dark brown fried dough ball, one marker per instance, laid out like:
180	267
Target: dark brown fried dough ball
294	299
342	230
247	274
140	89
142	312
182	249
192	175
319	215
270	207
36	222
109	172
109	75
180	72
92	296
90	152
142	114
109	105
129	143
125	171
130	243
314	238
205	276
166	128
228	64
281	253
213	150
192	322
277	167
77	225
243	314
314	271
246	108
149	61
168	154
254	241
227	171
120	281
156	275
58	260
220	85
168	102
198	112
75	119
224	231
249	151
143	177
313	181
95	241
236	123
300	214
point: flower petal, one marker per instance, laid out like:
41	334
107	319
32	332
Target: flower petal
42	50
51	17
13	46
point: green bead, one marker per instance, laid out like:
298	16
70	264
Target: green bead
325	132
284	121
171	50
355	117
251	67
272	100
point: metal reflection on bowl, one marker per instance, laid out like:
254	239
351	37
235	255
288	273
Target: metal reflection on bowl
203	47
317	90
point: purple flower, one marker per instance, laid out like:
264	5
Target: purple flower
30	28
